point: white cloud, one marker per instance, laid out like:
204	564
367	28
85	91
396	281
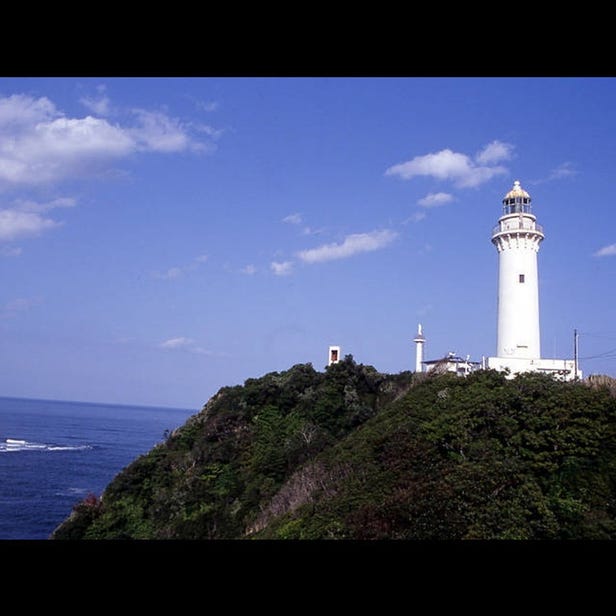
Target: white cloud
214	133
293	219
60	148
494	152
297	219
20	110
208	106
39	144
435	199
352	245
159	133
459	168
75	137
15	224
606	251
186	344
25	205
564	170
177	343
442	165
101	105
311	231
415	217
176	272
249	270
283	268
203	105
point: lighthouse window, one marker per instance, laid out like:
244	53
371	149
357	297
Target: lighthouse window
521	277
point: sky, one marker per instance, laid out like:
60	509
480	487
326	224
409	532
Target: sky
161	238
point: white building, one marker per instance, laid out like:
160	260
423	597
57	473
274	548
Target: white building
517	238
450	363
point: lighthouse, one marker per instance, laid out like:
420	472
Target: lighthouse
517	238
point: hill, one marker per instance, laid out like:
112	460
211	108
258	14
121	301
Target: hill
356	454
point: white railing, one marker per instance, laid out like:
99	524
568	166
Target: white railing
517	225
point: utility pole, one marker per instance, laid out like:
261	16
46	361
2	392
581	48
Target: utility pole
575	354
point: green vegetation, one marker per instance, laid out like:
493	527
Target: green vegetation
354	453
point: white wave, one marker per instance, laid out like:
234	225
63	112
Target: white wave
72	492
12	444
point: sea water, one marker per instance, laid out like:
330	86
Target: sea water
53	454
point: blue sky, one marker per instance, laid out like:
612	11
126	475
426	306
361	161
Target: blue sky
163	237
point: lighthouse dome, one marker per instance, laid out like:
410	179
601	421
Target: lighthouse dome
516	191
517	200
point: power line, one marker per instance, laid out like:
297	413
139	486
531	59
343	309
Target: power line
607	355
601	335
611	354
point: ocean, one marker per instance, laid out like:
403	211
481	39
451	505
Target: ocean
53	454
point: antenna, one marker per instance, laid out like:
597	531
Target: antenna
575	354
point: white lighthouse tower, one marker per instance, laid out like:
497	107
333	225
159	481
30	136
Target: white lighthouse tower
517	238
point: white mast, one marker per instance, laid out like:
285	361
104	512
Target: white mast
419	341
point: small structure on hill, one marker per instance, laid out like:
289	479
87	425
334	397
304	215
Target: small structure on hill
334	355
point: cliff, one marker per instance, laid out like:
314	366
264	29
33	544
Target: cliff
352	453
